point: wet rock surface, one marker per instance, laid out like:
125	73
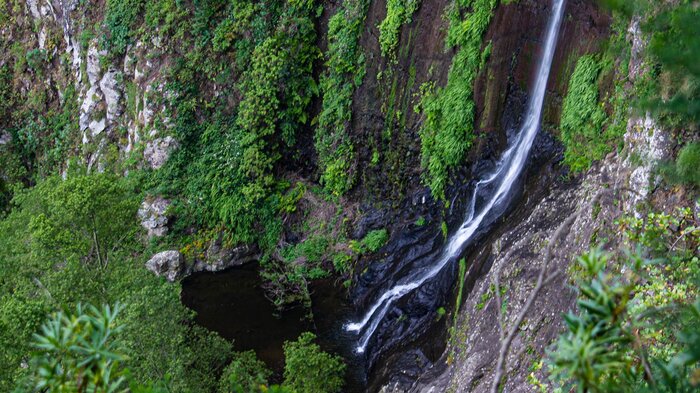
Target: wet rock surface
517	254
501	97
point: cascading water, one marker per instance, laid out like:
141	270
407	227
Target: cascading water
501	180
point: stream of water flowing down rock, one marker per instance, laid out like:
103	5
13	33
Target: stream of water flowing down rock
501	181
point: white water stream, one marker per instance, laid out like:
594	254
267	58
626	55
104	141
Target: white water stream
505	175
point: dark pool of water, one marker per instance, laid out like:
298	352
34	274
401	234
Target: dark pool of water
233	304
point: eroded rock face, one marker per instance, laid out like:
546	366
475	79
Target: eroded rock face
112	94
219	257
168	264
517	257
153	216
158	151
174	266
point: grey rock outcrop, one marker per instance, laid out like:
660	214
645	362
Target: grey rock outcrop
153	216
168	264
158	151
5	138
219	257
111	90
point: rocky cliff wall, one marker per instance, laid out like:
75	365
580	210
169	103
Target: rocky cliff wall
585	209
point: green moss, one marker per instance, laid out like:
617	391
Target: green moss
398	13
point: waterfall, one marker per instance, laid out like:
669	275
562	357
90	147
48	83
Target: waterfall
501	180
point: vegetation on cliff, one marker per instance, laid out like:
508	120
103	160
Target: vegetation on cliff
448	130
345	62
398	13
583	118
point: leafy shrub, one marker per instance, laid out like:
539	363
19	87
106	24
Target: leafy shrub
120	20
245	374
447	132
688	163
49	252
309	370
605	346
82	217
686	166
79	352
375	240
674	46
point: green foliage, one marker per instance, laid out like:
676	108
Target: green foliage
345	70
448	130
120	21
244	374
79	352
224	170
583	118
69	216
398	13
40	137
375	240
675	46
637	331
685	169
688	164
605	347
309	370
594	351
49	260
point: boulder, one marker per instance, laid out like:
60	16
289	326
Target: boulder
168	264
5	138
153	216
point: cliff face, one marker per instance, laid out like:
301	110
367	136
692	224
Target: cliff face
570	219
501	89
121	101
118	111
501	93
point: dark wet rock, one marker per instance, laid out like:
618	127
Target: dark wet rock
371	219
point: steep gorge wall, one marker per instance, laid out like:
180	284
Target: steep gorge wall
501	93
586	209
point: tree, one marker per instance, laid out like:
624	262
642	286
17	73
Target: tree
83	217
309	370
